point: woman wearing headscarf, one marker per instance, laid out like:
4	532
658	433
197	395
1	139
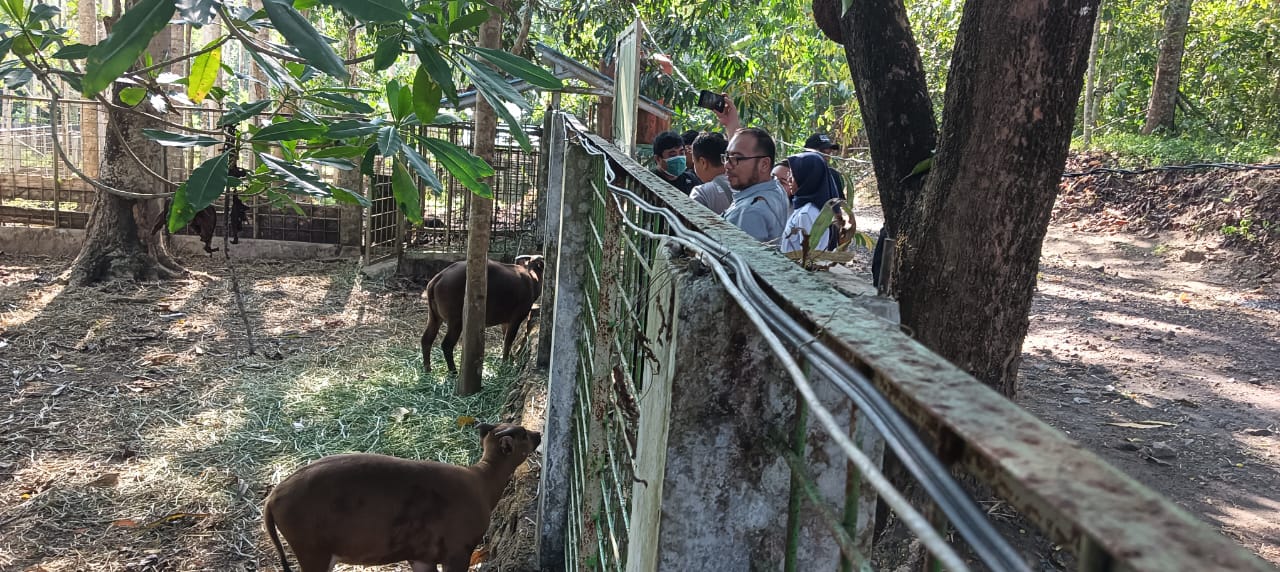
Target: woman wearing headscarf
814	187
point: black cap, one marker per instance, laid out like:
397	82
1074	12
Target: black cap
820	142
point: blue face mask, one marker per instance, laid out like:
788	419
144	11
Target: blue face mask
676	165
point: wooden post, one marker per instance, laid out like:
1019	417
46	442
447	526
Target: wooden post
553	158
570	267
481	225
90	147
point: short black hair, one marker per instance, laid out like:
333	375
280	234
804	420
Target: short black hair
764	142
666	140
710	146
689	136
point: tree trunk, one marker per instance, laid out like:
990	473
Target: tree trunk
119	242
893	96
480	223
90	140
969	237
1091	83
1164	90
969	254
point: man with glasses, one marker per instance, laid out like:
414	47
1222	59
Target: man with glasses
670	163
759	205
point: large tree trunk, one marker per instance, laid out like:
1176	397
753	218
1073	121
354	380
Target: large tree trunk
1164	90
969	253
119	242
480	223
969	238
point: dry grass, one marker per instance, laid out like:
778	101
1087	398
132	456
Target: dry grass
136	435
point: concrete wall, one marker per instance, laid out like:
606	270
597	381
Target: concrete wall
712	491
65	242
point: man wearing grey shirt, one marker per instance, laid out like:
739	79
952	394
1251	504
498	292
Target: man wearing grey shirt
759	205
715	193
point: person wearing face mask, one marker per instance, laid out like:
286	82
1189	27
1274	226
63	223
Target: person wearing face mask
670	163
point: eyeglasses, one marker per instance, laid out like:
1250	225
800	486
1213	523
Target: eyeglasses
733	160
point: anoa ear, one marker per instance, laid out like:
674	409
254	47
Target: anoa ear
483	429
506	445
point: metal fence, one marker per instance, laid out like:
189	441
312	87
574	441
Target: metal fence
713	406
516	196
38	190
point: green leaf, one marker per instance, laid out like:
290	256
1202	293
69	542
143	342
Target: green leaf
460	163
169	139
439	70
303	36
406	193
468	21
132	96
72	52
426	96
387	53
292	129
208	181
350	197
342	164
128	40
296	178
521	68
388	141
366	164
350	129
5	44
243	111
180	212
204	73
341	102
820	226
399	99
496	91
198	12
372	10
921	167
279	77
303	5
424	170
341	151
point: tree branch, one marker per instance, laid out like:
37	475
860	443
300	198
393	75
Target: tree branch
167	63
57	147
253	44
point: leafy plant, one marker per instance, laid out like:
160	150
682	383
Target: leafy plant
317	119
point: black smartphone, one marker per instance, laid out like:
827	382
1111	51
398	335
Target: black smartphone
712	101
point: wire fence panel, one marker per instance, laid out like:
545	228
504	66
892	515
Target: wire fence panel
36	189
729	411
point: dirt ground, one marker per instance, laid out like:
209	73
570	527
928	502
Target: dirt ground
1162	355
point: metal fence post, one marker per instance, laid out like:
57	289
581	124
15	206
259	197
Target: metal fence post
554	196
580	168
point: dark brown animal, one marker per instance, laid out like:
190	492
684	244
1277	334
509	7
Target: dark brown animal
375	509
239	216
204	224
512	289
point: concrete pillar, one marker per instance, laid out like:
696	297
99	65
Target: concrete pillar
570	270
712	491
554	134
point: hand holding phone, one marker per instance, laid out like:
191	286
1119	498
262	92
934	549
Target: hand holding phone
712	101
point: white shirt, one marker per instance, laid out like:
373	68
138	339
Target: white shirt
801	221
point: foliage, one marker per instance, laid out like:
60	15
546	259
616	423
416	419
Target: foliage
1167	150
785	76
317	118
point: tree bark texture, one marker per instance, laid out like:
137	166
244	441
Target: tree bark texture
969	253
893	96
1164	90
1091	83
119	242
480	223
969	231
